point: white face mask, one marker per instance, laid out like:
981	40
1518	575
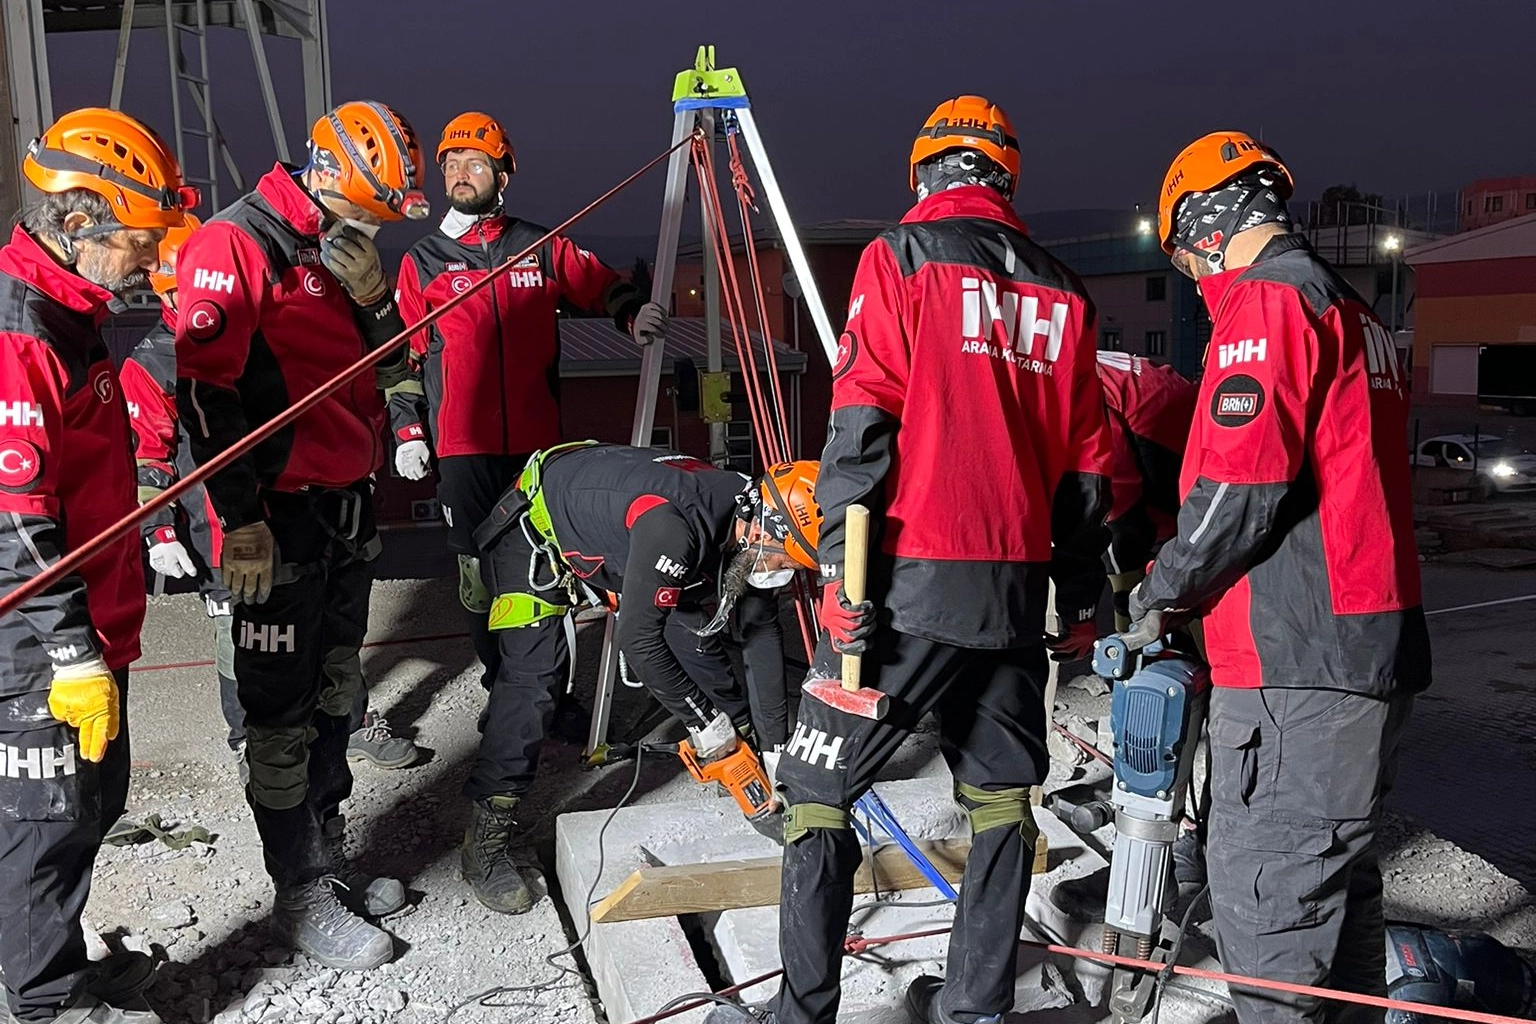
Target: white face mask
770	580
368	229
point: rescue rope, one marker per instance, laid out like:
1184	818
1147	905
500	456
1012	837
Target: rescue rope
73	559
858	944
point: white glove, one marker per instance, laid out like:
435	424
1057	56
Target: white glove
170	558
716	739
413	460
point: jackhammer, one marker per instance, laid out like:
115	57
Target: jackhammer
1157	708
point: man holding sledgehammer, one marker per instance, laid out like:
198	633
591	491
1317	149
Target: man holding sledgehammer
967	416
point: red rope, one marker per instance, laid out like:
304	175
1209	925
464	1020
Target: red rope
73	559
744	202
857	944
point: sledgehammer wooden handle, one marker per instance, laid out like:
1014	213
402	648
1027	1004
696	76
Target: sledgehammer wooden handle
855	566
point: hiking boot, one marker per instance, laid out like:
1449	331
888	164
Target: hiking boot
743	1014
313	921
120	980
362	893
90	1010
373	742
923	1004
1082	899
486	861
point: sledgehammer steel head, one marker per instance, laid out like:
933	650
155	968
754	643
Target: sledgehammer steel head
846	694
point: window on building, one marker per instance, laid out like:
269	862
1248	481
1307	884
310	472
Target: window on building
1157	343
661	437
1493	204
1157	287
738	446
1530	200
1110	340
1469	206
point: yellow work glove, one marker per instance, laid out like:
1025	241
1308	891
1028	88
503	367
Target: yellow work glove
247	563
85	697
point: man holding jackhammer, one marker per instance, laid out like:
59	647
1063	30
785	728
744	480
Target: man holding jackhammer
975	504
668	533
159	437
112	189
1295	539
280	292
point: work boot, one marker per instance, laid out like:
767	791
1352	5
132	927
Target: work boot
743	1014
120	980
312	920
90	1010
373	742
923	1004
361	892
1082	899
485	858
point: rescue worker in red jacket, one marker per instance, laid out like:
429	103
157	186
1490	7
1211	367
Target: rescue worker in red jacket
975	505
149	384
1149	408
111	190
1295	538
278	293
485	391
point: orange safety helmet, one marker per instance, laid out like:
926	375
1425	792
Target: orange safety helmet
1208	163
163	280
374	152
788	492
119	159
474	130
967	122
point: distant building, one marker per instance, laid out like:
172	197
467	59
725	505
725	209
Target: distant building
1475	332
1494	200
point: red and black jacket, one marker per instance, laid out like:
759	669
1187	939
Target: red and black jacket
1150	407
966	415
490	368
262	324
160	442
1297	525
66	472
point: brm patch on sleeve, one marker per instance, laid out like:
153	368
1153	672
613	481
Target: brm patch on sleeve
847	354
204	320
1238	400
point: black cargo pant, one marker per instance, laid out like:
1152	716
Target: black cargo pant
468	487
54	808
1298	778
991	715
296	697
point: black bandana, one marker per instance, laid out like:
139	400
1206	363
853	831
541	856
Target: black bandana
751	508
961	167
1206	221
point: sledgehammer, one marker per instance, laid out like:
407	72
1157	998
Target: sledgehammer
846	694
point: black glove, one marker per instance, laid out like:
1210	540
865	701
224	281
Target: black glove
351	255
650	324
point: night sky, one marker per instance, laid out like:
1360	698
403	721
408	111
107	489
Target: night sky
1398	96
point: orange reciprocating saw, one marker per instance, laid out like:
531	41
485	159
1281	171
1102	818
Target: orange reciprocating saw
740	772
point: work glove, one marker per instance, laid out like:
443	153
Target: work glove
413	460
248	563
650	324
84	697
167	555
848	625
354	259
1073	645
716	739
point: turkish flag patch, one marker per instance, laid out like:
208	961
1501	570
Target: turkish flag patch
20	465
204	320
667	597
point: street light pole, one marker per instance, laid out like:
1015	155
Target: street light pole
1394	245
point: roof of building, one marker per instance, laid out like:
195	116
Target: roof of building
594	347
1509	239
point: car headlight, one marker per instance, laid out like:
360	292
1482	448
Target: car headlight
1502	470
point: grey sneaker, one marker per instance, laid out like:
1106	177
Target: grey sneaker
374	743
312	920
361	892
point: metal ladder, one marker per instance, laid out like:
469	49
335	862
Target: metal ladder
196	81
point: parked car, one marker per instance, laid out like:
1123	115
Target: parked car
1502	464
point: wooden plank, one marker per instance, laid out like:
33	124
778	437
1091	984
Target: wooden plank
733	884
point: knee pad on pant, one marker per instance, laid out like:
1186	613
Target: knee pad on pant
472	592
342	673
279	762
224	645
997	808
801	818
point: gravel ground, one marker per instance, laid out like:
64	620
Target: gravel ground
206	908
